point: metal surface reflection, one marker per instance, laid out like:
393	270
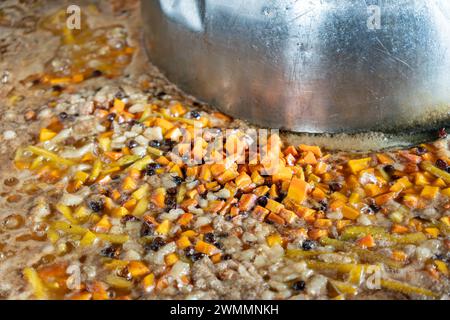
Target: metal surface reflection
309	66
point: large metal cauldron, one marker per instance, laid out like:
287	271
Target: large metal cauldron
309	65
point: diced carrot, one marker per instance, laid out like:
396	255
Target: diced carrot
384	159
357	165
397	228
137	269
383	198
206	248
275	218
171	259
274	206
399	255
274	239
366	242
308	158
314	149
185	219
316	234
183	242
247	202
297	190
350	213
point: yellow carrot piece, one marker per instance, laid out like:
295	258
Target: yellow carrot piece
39	290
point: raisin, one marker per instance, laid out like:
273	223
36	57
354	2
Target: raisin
146	229
441	164
262	201
119	95
156	244
111	116
335	186
132	144
197	256
209	237
96	205
178	180
227	257
96	73
63	115
170	203
322	205
442	133
299	285
189	251
374	207
172	191
308	245
127	218
421	150
195	114
111	252
161	94
57	88
154	144
389	169
150	169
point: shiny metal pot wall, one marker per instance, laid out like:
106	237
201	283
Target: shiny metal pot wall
308	65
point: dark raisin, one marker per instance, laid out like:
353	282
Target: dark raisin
442	133
132	122
170	203
161	94
441	164
167	145
178	180
112	252
63	115
322	205
156	244
154	144
209	237
57	88
374	207
244	214
128	218
96	73
195	114
172	191
389	169
189	251
110	117
421	150
218	245
132	144
281	197
150	169
96	205
119	95
308	245
262	201
146	229
197	256
299	285
335	186
227	257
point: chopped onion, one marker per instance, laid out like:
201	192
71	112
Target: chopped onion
77	153
179	269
